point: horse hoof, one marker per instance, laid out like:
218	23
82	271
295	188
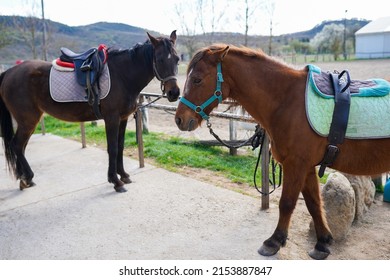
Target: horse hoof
268	250
318	255
126	180
25	185
120	189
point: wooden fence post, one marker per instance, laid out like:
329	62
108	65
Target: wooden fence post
42	122
232	134
265	174
140	142
83	140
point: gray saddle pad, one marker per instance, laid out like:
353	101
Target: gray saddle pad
65	88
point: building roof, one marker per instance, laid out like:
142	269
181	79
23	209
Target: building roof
379	25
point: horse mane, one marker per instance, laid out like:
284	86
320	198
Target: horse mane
146	47
114	51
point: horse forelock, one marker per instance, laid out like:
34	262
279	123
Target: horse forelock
196	58
168	44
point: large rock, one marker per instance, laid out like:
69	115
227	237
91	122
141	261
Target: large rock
364	193
339	204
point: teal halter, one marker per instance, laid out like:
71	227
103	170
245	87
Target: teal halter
216	96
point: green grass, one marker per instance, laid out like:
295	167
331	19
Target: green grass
168	152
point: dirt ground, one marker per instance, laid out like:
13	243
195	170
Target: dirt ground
367	240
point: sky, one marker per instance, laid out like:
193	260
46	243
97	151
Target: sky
288	16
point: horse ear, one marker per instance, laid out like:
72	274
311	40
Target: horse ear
224	52
173	37
221	53
152	39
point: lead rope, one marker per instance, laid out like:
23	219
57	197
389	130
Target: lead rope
151	102
244	143
256	140
259	142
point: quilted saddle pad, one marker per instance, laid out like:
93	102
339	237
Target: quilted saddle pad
65	88
369	112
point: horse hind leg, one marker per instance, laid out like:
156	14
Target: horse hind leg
23	169
312	196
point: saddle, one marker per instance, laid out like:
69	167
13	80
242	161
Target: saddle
338	107
88	67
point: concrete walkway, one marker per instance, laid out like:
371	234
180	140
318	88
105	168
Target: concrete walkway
74	213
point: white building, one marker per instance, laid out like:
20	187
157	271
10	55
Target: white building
373	40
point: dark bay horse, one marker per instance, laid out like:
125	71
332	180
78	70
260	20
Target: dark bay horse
25	96
274	95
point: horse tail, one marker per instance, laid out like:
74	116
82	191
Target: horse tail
7	132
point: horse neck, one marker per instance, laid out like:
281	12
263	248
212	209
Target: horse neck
137	66
261	85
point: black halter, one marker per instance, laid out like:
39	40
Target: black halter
162	80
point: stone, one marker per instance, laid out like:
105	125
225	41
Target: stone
339	205
364	189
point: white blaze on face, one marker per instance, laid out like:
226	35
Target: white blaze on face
169	56
186	84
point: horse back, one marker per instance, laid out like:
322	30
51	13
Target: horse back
22	79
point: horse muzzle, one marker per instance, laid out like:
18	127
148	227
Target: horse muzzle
189	124
172	90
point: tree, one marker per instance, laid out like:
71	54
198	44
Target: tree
187	25
5	36
299	46
248	16
330	39
270	8
209	15
194	20
28	30
252	11
31	27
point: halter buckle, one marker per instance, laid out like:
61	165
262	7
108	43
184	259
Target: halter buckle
219	77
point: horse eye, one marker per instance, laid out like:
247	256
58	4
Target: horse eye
197	80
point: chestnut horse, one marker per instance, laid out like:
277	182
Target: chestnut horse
25	96
274	95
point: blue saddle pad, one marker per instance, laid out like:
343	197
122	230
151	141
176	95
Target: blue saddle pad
369	112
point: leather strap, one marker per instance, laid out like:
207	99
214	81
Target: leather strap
340	118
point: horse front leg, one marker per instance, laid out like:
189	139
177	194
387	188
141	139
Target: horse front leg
292	184
313	200
112	129
125	177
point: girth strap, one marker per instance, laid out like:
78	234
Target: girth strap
93	93
340	117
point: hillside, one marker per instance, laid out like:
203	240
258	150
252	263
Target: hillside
352	26
80	38
77	38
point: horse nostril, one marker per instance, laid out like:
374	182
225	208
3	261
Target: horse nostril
178	121
173	94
